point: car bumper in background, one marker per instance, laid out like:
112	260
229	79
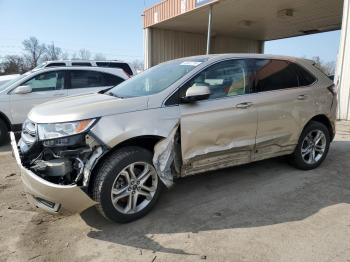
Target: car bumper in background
49	196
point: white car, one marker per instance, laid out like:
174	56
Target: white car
19	95
126	67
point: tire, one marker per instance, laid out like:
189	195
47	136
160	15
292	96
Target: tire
4	136
115	173
301	158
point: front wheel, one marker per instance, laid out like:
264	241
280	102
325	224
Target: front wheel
126	186
312	147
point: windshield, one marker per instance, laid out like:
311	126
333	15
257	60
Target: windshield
155	79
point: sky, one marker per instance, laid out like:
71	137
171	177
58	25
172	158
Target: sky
113	28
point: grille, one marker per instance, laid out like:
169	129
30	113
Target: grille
29	133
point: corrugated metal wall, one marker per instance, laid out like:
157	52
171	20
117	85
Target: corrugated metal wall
165	10
163	45
343	66
167	45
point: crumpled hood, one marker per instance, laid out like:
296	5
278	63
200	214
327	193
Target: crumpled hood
84	107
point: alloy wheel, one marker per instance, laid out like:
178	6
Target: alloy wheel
134	187
313	147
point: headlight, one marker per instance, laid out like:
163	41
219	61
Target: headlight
57	130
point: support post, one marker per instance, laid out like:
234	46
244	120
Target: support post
209	29
342	77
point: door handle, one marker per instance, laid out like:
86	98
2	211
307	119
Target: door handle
302	97
244	105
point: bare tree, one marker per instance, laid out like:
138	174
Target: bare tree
33	51
65	56
327	67
52	52
13	64
138	65
99	56
84	54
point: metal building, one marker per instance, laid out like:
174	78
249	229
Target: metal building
178	28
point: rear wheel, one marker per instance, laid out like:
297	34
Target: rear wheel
127	185
4	136
313	146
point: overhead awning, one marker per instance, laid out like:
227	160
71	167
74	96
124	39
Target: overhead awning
250	19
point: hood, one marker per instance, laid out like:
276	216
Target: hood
84	107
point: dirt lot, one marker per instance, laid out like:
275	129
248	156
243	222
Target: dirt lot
266	211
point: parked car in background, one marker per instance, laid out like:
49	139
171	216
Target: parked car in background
6	78
127	67
180	118
20	95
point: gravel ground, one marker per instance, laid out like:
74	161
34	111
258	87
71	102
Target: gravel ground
265	211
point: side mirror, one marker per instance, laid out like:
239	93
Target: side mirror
196	93
23	90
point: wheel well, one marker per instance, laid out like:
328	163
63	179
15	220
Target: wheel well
324	120
4	118
147	142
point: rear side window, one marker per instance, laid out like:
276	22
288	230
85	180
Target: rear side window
86	79
123	66
81	64
275	75
55	64
305	78
112	80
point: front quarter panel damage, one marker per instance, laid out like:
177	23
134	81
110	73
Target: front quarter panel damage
166	159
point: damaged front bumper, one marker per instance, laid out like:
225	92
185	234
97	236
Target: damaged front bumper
49	196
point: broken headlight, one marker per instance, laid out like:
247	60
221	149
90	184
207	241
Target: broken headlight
59	130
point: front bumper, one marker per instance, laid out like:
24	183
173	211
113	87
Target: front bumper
49	196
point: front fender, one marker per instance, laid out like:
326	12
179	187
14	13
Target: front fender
115	129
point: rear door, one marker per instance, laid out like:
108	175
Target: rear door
89	81
219	131
284	104
45	86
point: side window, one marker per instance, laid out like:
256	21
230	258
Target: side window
225	79
86	79
112	80
55	64
274	75
48	81
81	64
305	78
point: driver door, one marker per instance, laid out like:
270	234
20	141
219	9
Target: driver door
220	131
45	86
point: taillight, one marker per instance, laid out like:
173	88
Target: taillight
332	89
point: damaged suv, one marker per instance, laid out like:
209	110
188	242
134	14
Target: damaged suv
118	149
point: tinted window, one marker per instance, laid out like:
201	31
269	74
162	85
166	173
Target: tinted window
274	75
112	80
305	78
56	64
85	79
225	79
47	81
123	66
81	64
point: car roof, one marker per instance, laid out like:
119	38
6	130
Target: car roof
114	71
84	61
248	55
